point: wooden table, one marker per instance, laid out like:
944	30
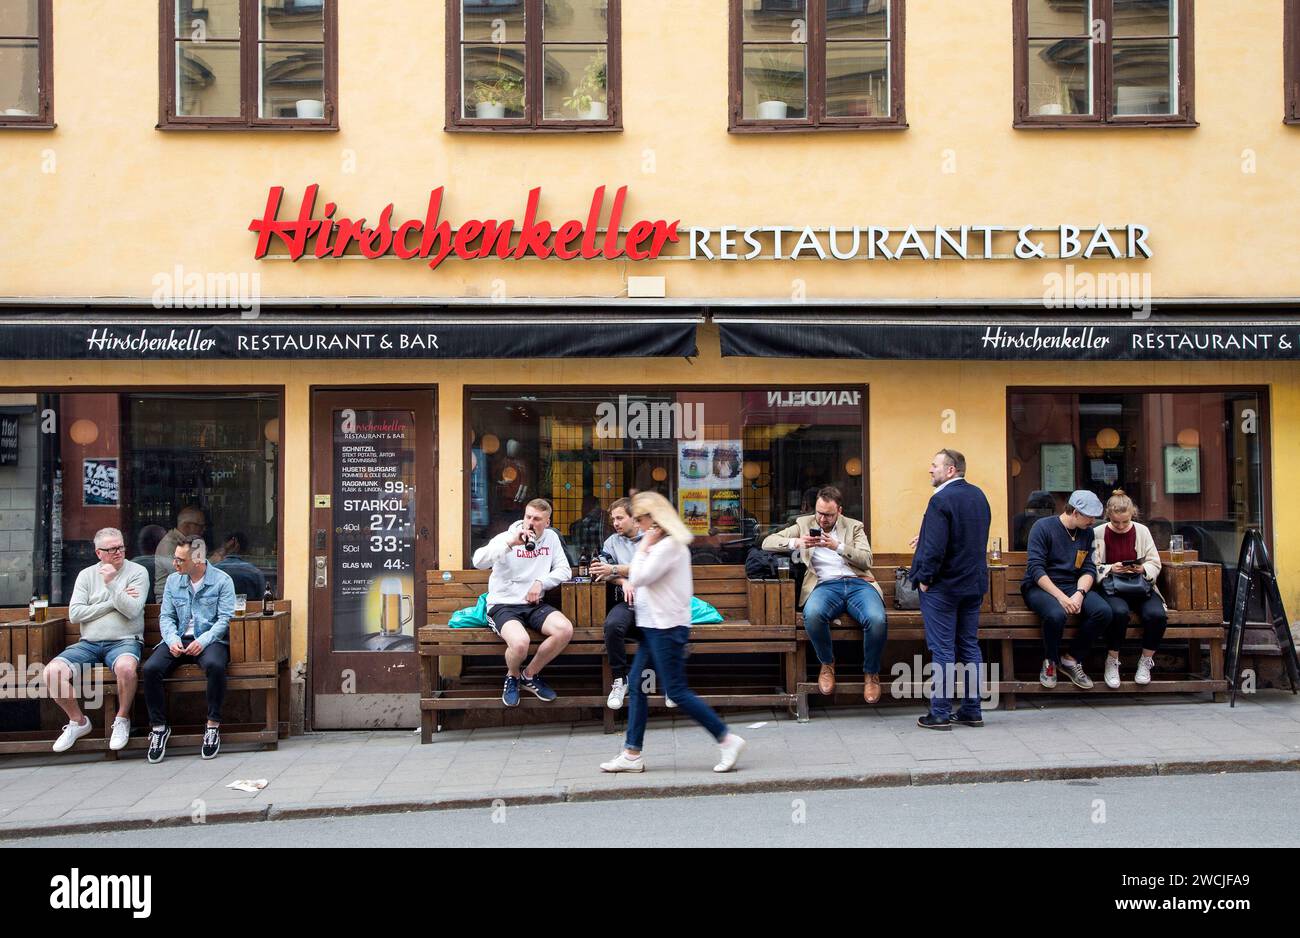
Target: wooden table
24	642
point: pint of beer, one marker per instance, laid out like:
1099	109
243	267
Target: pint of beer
391	619
1176	549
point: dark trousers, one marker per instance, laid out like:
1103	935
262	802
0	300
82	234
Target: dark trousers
213	660
951	632
619	624
1150	610
664	651
1096	616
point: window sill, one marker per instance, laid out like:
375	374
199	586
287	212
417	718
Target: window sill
783	128
27	125
1179	124
255	128
544	129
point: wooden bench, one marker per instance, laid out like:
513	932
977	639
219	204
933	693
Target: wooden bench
1192	592
259	662
724	587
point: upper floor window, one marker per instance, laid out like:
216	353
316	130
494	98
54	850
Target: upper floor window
1291	47
1103	63
816	65
231	64
26	69
533	65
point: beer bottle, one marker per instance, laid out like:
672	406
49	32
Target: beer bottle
268	603
584	566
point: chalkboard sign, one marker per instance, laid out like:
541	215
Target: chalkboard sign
8	440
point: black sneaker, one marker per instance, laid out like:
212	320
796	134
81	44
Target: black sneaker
929	722
158	743
510	693
539	687
211	742
977	720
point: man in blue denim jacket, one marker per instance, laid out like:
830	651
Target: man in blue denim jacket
198	601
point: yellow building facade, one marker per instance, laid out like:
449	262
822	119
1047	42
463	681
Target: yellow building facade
110	220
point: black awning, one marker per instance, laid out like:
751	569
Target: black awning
1012	338
513	334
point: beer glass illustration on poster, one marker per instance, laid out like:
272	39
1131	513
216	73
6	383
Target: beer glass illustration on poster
374	530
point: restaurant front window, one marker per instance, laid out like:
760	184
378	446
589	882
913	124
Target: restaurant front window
738	464
155	465
1193	461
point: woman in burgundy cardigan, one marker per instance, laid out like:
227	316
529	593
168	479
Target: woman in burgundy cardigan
1122	545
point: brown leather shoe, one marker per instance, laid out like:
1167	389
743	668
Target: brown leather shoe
826	680
871	693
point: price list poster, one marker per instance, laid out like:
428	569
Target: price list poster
374	534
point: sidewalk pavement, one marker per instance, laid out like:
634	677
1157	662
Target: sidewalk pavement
333	773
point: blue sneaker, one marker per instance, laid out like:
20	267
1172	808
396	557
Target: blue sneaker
539	687
510	693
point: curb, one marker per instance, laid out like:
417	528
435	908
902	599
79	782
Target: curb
900	778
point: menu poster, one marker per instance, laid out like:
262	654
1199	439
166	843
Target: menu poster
726	517
374	530
694	462
99	483
8	440
1057	460
693	505
726	460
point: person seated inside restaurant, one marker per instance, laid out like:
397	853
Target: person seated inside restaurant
526	560
1040	505
198	601
250	582
1059	579
612	565
146	543
1128	565
837	579
190	523
108	604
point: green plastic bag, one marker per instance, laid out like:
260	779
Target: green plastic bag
471	617
702	613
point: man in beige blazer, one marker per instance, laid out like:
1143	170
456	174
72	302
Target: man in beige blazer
838	580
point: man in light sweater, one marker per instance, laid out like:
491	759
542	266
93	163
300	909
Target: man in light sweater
526	559
108	603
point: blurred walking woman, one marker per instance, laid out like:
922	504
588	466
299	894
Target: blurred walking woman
1128	565
661	584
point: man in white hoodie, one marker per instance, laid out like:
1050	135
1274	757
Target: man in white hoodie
526	559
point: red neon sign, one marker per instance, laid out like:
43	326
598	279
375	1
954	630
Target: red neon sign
435	240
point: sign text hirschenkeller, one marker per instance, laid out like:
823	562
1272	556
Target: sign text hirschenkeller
434	239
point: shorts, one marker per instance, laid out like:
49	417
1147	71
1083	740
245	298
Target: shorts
533	617
105	653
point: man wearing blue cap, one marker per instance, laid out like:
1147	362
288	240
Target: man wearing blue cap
1058	583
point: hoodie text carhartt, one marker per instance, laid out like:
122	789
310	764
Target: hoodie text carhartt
514	568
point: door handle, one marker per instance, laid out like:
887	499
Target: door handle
322	577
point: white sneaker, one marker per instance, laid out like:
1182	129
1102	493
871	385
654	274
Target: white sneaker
121	733
71	733
1145	665
616	694
668	702
1112	672
729	751
622	763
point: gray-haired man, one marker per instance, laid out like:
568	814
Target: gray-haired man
108	603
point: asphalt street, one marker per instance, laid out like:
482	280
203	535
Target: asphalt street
1190	811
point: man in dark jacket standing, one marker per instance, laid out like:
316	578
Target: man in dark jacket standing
950	570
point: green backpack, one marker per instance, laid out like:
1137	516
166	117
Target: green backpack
471	617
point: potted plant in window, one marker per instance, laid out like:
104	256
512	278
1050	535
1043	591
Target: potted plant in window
493	97
774	84
589	96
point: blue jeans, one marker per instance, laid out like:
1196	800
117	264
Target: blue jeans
951	629
861	601
664	651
